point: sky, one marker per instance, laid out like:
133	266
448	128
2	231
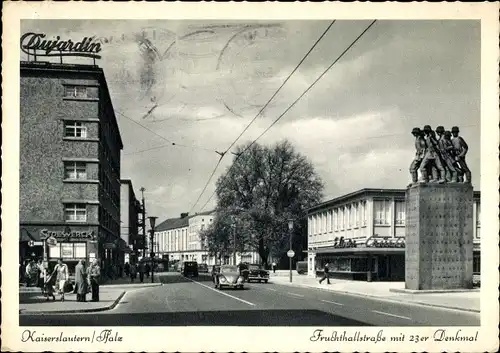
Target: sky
199	84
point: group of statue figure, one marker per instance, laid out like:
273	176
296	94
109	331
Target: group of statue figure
440	156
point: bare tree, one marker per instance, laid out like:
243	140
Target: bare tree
265	187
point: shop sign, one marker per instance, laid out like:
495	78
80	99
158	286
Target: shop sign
40	46
379	242
341	243
45	234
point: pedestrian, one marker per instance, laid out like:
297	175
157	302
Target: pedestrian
49	285
133	272
326	276
127	269
274	267
81	282
147	269
31	274
94	274
41	276
142	269
62	277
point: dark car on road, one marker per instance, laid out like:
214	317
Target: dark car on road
228	276
257	273
190	268
203	268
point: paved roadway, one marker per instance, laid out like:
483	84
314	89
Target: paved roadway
181	301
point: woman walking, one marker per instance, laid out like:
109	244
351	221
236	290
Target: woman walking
41	276
62	276
49	286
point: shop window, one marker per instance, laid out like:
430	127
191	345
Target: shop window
400	213
75	170
55	251
75	129
382	210
476	264
75	92
75	212
67	251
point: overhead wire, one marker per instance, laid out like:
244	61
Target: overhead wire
172	143
293	104
263	108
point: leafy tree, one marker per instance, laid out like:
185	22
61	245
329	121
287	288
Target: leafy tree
257	195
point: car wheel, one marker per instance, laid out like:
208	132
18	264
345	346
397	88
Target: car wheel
265	281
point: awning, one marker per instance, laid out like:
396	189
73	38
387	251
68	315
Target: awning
358	250
26	236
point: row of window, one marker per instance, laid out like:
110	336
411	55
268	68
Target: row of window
68	251
339	218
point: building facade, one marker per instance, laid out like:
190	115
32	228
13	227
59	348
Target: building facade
362	235
130	209
70	148
179	239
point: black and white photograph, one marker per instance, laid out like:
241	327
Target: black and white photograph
244	181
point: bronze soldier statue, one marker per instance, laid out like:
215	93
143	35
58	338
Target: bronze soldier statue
446	153
461	150
431	158
419	154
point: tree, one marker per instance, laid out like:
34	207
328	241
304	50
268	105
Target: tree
263	188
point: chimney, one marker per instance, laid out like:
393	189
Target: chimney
184	215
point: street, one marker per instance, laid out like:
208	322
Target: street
182	301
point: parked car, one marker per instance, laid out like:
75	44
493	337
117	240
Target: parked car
257	273
190	268
203	268
301	267
229	276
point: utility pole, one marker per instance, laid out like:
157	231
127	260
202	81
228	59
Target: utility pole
234	244
142	189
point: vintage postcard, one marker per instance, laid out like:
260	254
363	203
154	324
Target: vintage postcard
250	177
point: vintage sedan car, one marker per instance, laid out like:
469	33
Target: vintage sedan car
228	277
257	273
203	268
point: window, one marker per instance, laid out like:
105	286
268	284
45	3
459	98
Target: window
325	221
75	170
382	210
478	214
80	250
351	216
336	219
400	213
329	221
75	91
356	214
75	129
341	218
67	250
346	217
363	213
75	212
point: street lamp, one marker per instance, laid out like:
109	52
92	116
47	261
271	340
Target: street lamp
290	252
152	221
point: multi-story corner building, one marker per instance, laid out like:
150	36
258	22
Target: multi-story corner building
130	209
179	238
70	149
362	235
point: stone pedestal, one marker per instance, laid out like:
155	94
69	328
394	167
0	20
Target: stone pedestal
439	228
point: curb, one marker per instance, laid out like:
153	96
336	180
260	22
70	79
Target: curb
130	285
90	310
382	298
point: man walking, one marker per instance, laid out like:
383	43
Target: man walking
94	273
142	269
81	282
326	276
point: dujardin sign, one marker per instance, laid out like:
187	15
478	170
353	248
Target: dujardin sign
341	243
379	242
45	234
36	44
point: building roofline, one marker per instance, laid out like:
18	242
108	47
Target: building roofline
367	191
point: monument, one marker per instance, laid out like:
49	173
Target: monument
439	225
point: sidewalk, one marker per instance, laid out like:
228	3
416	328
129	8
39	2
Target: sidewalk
465	301
37	304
